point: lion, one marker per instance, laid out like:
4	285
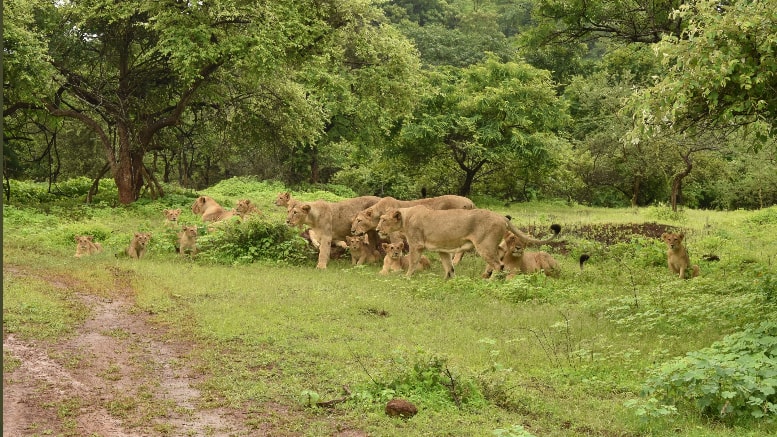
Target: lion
677	257
210	210
284	199
396	261
361	250
453	230
246	208
368	219
137	247
517	260
187	241
171	217
329	221
85	245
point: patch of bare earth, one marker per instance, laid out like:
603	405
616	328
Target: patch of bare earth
118	375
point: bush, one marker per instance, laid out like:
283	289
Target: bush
253	240
735	377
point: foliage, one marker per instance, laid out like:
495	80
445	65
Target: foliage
734	377
253	240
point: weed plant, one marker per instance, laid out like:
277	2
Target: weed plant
619	347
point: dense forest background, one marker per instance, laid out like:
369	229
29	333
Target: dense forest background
601	102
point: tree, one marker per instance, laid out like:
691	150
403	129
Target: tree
720	73
129	70
483	115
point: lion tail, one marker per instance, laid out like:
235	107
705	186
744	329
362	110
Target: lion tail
528	239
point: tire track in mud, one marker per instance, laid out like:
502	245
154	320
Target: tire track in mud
116	376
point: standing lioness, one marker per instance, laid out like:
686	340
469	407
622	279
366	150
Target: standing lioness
328	221
453	230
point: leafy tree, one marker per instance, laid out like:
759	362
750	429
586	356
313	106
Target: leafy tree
720	72
133	69
485	115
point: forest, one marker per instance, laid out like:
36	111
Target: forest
599	103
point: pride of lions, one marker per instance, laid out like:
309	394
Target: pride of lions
394	232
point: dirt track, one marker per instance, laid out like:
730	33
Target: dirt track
116	376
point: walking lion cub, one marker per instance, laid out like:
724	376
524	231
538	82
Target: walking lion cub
677	257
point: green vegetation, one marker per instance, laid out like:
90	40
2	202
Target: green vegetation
619	347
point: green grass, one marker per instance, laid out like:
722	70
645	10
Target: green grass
558	357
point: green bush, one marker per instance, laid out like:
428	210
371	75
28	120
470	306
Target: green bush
733	378
253	240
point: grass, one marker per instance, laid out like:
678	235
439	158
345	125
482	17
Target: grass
551	357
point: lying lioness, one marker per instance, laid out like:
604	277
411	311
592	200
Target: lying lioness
85	245
210	210
451	231
245	208
677	257
137	247
516	260
361	250
187	241
396	261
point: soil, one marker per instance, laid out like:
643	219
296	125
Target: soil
117	375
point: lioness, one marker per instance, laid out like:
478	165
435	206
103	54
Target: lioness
453	230
85	245
516	260
245	208
210	210
368	219
187	241
361	250
171	217
329	221
396	261
677	257
137	247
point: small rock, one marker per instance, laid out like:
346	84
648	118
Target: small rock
401	408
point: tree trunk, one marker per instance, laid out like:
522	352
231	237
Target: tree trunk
314	168
677	182
635	191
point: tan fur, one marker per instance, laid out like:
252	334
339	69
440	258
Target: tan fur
396	261
361	250
369	218
210	210
283	199
187	241
516	260
85	245
450	231
328	221
677	257
245	208
137	247
171	217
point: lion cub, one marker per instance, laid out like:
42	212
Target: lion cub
517	260
85	245
171	217
396	261
361	251
187	240
245	208
677	257
137	247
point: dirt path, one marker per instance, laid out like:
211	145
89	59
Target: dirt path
117	376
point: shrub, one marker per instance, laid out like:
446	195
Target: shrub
734	377
253	240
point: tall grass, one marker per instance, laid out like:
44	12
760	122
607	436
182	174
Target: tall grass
566	356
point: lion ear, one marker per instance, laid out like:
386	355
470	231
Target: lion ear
385	246
368	213
401	245
681	236
397	215
306	208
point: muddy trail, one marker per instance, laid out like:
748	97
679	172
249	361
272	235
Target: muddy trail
118	375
